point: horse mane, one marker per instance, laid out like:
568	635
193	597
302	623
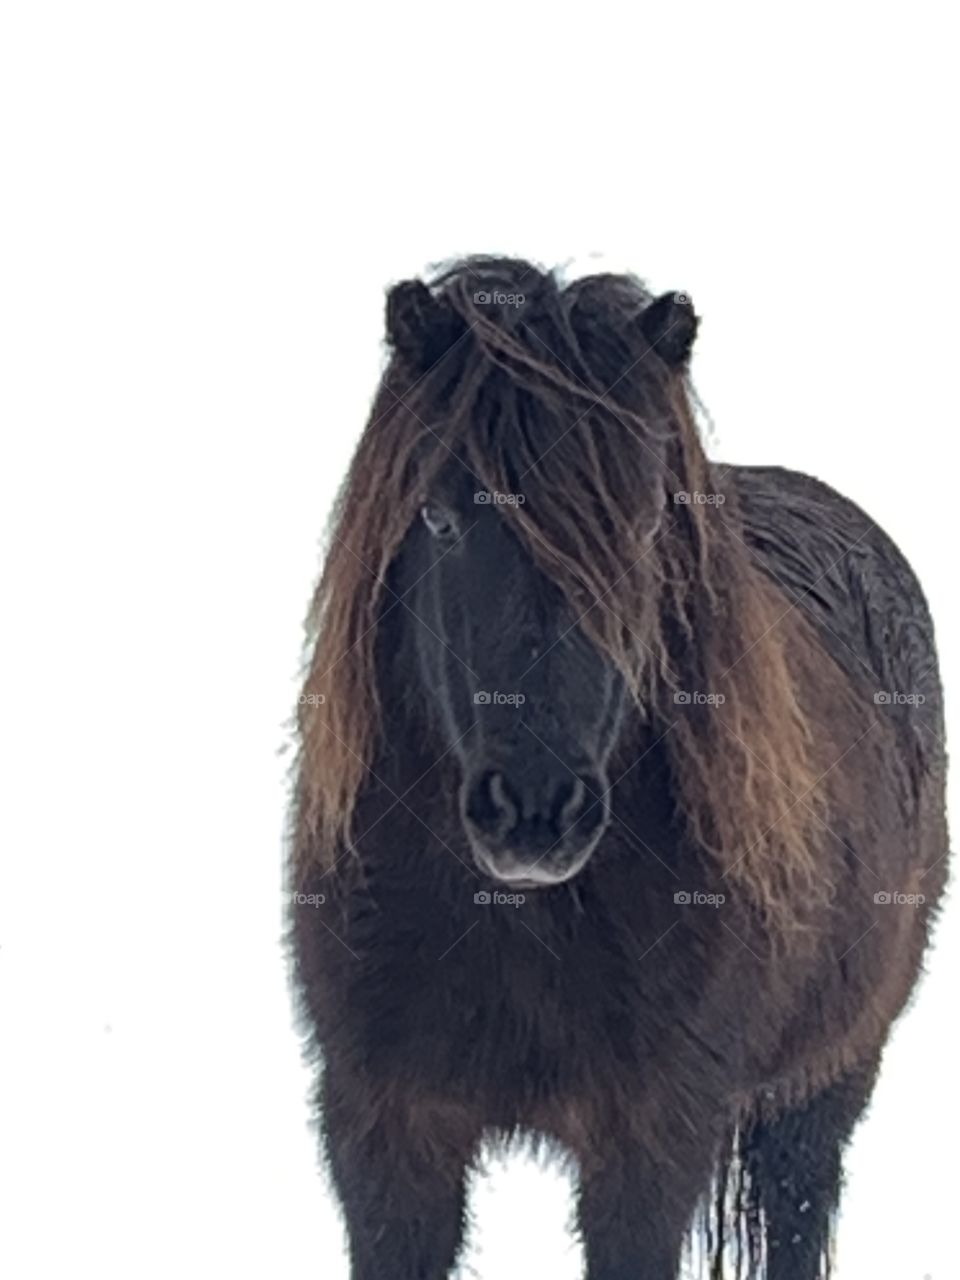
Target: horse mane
564	398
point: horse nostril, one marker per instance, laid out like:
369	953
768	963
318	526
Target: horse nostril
491	805
569	804
578	801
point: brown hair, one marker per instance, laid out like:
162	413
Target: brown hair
570	401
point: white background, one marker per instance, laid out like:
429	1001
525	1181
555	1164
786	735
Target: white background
202	203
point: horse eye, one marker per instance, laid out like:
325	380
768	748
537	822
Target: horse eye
441	522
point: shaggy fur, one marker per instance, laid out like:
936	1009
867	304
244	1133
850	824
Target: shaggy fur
764	703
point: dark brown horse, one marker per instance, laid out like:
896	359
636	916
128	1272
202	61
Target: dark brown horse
619	819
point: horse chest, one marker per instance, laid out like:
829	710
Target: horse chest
500	1011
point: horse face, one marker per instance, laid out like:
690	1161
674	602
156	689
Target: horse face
527	703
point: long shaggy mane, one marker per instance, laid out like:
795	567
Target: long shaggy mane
562	399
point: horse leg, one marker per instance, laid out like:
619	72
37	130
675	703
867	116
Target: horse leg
794	1164
635	1211
400	1174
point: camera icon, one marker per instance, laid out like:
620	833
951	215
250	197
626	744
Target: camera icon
482	899
682	697
681	498
481	697
481	296
883	898
682	898
882	698
482	497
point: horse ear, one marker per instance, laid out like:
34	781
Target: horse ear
669	324
421	327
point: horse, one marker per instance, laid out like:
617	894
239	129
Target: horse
618	821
